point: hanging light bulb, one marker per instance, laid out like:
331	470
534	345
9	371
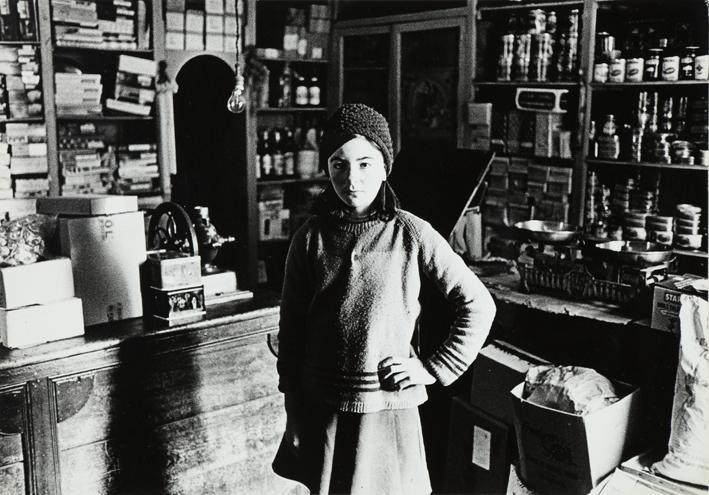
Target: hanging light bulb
237	101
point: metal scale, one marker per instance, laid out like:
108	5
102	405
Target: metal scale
554	256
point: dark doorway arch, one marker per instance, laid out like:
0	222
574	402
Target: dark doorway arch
209	146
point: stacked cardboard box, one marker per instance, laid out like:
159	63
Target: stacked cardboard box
86	161
212	27
77	94
20	88
33	311
27	147
135	86
137	168
105	238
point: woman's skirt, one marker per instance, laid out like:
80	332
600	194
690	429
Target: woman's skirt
334	452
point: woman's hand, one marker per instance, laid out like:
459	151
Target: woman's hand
292	433
396	373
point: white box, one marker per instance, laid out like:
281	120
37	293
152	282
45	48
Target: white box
215	42
214	6
194	41
175	40
87	204
194	21
24	285
106	252
214	24
175	21
32	325
560	452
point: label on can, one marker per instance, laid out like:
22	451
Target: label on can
701	67
600	72
634	69
670	68
616	72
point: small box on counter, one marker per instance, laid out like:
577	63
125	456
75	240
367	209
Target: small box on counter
87	204
24	285
39	323
177	306
666	302
173	270
560	452
480	450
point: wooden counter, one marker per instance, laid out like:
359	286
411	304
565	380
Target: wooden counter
131	408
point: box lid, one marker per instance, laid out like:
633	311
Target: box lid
87	204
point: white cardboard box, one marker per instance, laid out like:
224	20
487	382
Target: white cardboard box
106	252
560	452
87	204
39	323
24	285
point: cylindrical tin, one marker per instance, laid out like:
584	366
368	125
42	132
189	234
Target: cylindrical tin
670	68
616	71
634	69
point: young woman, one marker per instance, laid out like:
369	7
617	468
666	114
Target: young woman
351	379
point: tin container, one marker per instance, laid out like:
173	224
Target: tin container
701	67
670	68
600	72
634	68
616	71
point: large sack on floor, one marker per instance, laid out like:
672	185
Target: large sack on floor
687	457
571	389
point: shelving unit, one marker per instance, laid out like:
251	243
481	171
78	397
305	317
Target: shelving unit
101	60
603	15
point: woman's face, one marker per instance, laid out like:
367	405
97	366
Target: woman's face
357	171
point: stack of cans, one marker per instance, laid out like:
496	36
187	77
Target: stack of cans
659	229
687	218
634	225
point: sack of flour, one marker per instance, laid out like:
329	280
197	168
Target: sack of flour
687	456
571	389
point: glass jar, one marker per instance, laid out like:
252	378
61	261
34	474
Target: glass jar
686	63
609	126
652	65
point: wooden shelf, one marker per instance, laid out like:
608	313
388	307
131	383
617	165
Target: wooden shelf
364	68
102	117
22	120
278	182
291	109
14	43
295	60
640	84
691	253
547	160
528	6
677	166
536	84
135	51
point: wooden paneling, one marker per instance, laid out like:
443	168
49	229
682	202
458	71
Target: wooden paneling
12	467
12	479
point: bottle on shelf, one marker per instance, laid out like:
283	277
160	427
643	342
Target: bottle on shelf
686	63
277	152
288	152
609	141
24	22
592	143
653	60
314	92
301	91
285	82
265	155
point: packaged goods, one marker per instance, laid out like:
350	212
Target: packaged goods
687	458
570	389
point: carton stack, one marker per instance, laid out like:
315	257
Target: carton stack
274	218
104	236
27	146
306	34
77	94
135	86
20	88
213	28
137	168
86	162
111	24
33	311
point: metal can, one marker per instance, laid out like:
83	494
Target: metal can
600	72
616	71
670	68
701	67
634	68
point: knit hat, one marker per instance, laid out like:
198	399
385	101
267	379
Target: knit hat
353	119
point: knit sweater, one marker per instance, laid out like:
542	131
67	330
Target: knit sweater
351	299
